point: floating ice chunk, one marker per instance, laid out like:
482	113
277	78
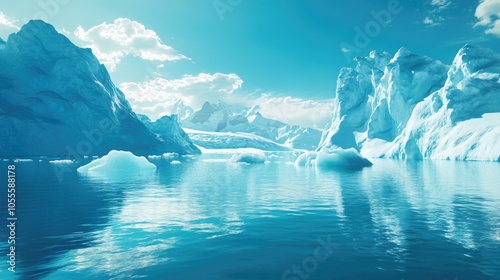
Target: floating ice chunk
305	159
170	156
118	161
62	161
251	156
333	158
343	158
175	162
23	160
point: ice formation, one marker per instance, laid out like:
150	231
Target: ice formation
414	107
59	100
121	162
250	156
333	158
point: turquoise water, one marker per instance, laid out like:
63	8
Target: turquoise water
210	219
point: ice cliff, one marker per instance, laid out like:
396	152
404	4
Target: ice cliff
409	106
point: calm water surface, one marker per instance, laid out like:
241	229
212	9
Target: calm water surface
210	219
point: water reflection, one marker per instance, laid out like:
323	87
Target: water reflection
411	220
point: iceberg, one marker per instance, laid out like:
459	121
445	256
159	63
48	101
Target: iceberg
250	156
306	159
61	97
333	158
341	158
118	162
414	107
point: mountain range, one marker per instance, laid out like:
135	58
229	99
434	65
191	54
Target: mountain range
223	117
57	99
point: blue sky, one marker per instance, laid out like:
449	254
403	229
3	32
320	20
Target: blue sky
272	51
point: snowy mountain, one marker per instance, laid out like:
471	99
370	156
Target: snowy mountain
182	110
56	99
222	117
412	106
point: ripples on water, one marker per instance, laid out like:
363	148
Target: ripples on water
210	219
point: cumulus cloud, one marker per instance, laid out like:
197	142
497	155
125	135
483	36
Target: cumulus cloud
156	97
292	110
7	26
111	42
488	14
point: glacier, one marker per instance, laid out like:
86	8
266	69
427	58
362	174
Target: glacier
57	99
409	106
233	140
223	117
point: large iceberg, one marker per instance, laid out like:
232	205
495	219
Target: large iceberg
58	100
414	107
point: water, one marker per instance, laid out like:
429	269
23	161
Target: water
209	219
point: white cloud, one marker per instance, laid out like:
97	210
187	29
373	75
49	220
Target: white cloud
292	110
111	42
7	26
488	14
156	97
441	4
428	21
434	17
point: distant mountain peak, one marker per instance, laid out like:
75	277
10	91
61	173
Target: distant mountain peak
253	111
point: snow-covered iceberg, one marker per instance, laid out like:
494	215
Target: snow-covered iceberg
118	162
414	107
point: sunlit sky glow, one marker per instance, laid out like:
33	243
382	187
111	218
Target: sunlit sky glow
280	53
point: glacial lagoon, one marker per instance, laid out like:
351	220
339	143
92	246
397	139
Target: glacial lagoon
208	218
